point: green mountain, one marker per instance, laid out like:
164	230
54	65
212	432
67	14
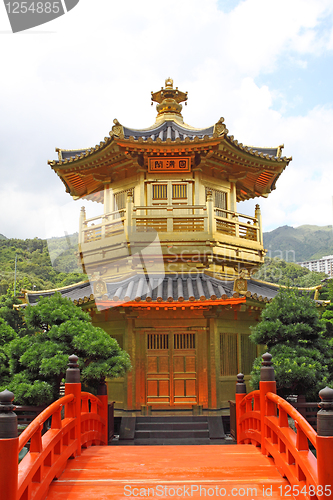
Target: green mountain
297	244
2	237
41	264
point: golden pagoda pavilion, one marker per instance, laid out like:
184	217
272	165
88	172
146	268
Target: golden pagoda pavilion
170	259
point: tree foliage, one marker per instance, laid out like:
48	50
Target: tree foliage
56	328
295	336
34	267
327	315
279	271
7	334
11	315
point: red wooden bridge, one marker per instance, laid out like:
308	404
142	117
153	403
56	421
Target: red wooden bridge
70	461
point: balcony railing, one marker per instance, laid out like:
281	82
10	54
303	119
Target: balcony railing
102	226
171	219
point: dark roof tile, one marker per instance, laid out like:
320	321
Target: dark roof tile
168	289
168	130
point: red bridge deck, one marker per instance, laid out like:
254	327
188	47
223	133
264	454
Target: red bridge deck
248	471
118	472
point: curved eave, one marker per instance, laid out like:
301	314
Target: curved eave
152	136
253	186
255	170
73	156
84	174
272	154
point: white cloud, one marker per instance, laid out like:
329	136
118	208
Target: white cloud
63	89
304	191
258	31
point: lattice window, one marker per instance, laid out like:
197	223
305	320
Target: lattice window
229	354
160	191
184	341
179	191
248	354
120	199
157	341
220	201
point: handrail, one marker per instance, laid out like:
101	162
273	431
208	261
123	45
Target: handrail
263	420
93	420
92	397
36	424
249	419
290	449
249	397
180	206
235	214
302	424
240	223
283	406
105	215
172	218
80	426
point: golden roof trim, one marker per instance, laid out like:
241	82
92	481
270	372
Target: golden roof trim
84	300
149	142
36	292
276	285
254	152
219	134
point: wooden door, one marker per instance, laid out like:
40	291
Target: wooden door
184	369
158	369
171	369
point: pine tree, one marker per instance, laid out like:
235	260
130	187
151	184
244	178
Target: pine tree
295	336
56	329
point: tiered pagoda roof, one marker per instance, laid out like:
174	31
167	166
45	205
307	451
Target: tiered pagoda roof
254	169
184	291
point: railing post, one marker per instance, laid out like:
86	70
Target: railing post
129	209
325	442
267	384
240	393
73	386
110	421
82	225
8	447
104	222
102	394
169	216
236	222
205	219
210	212
257	215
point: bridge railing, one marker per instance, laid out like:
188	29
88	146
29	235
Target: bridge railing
79	419
302	455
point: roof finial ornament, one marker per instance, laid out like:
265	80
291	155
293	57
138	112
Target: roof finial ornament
220	128
117	128
169	99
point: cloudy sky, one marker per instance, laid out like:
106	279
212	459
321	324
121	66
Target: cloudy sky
266	66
